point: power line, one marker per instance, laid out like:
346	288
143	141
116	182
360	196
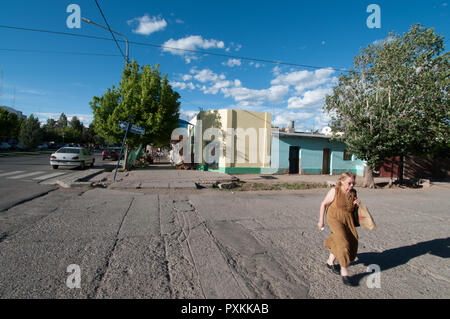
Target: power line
174	48
59	52
109	28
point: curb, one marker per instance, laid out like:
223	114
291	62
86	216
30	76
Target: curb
79	180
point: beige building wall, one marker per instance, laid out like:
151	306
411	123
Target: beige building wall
252	136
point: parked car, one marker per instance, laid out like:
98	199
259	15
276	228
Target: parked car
42	147
111	152
72	157
4	146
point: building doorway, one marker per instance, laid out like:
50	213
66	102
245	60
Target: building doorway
294	159
326	161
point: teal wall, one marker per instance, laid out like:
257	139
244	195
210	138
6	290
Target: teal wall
311	155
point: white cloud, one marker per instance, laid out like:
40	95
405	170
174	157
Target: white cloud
32	91
311	99
282	117
206	75
303	80
274	94
216	87
185	46
183	85
232	62
256	65
187	115
381	41
147	25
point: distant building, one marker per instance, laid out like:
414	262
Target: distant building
311	153
244	144
11	110
241	142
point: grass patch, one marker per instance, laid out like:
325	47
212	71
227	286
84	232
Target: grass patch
278	186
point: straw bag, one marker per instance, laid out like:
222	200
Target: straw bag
365	219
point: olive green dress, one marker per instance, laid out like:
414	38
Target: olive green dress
343	241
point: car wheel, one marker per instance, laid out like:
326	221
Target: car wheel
55	166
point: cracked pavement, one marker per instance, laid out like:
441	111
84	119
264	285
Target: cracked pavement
196	244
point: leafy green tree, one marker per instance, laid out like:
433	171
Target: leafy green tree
76	124
31	133
71	135
146	97
394	101
62	121
51	124
9	124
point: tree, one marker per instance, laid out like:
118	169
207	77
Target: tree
9	124
76	124
31	133
145	96
51	124
394	101
62	122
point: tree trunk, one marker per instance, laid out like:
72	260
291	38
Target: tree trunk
400	169
368	178
391	180
125	158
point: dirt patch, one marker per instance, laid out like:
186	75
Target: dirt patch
242	186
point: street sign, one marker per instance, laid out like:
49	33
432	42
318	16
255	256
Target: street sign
123	125
137	130
133	129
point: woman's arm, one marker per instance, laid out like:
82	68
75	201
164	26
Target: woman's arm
323	206
356	200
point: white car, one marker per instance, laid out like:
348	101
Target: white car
72	156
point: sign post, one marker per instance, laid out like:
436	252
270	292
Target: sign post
127	127
123	126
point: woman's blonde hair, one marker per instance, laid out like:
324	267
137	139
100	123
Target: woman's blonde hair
344	176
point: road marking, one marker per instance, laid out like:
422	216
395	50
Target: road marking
25	175
48	176
11	173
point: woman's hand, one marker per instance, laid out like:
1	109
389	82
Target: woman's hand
357	202
320	224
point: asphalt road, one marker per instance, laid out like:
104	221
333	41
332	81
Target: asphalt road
101	243
21	175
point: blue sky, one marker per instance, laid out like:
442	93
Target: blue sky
56	78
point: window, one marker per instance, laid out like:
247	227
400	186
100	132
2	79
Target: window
347	155
69	150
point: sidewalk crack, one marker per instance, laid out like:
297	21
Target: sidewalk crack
101	272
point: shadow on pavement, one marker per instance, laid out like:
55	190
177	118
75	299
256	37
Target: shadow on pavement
395	257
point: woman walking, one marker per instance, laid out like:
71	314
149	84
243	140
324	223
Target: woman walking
343	242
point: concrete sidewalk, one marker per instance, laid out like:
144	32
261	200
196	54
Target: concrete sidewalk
164	176
325	179
161	176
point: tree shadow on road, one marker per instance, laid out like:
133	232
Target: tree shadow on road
395	257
